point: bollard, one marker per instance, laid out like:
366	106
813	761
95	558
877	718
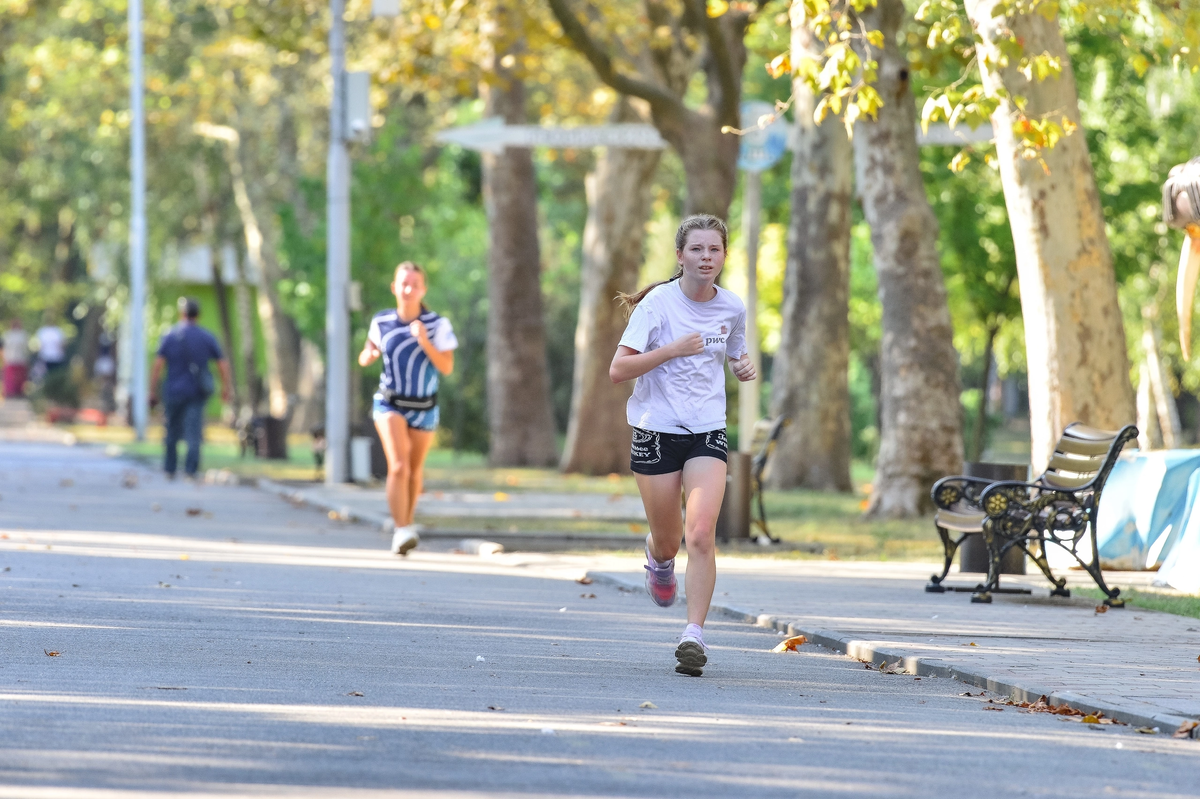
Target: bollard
733	522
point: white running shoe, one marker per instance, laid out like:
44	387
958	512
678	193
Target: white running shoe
404	539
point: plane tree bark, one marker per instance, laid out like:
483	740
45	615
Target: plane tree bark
520	416
921	415
1074	335
810	383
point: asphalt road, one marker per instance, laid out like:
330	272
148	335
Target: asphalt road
257	648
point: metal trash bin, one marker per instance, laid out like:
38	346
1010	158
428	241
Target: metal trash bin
973	551
270	437
733	522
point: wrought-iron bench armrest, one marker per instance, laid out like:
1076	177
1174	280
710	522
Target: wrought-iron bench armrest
949	491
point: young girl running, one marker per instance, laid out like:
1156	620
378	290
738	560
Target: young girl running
416	344
680	332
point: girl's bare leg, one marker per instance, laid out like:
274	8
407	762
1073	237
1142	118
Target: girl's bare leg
660	496
397	446
704	488
420	442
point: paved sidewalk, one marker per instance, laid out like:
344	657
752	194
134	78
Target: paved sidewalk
1135	665
369	502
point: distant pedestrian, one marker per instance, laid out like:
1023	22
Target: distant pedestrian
186	351
16	360
680	333
416	345
52	346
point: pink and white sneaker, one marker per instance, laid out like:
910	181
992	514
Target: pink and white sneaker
660	580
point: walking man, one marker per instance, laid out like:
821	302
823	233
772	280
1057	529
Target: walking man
186	351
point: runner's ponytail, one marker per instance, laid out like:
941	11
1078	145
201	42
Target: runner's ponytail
694	222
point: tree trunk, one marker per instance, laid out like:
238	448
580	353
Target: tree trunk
810	382
1074	336
1160	384
520	418
979	432
618	206
253	383
282	346
921	435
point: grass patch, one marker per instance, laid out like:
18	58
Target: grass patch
1165	601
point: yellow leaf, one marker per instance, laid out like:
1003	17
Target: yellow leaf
790	644
780	65
717	7
1090	719
648	706
432	22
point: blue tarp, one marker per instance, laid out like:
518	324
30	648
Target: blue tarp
1149	517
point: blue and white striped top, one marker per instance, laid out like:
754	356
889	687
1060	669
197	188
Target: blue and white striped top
407	370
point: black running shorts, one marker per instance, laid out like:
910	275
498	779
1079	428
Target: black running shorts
663	453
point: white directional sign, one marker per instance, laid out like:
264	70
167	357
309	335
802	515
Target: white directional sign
493	135
941	133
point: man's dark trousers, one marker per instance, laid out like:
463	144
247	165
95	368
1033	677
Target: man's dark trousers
185	419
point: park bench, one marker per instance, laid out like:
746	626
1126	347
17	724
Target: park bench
1059	507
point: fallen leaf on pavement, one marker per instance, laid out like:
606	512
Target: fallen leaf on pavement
968	693
587	596
194	511
1187	730
790	644
585	580
971	644
1147	730
52	654
129	479
648	706
352	693
495	707
992	707
1090	719
1102	608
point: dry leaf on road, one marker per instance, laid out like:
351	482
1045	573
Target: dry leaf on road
1187	730
790	644
194	511
648	706
352	693
1102	608
52	654
585	580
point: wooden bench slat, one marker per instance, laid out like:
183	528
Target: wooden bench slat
1054	479
1078	446
1077	430
1077	465
960	522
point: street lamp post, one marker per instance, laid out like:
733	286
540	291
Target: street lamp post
337	263
137	222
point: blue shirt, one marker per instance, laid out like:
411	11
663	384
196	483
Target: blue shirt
187	344
407	370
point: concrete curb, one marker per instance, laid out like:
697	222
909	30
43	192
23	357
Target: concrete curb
868	652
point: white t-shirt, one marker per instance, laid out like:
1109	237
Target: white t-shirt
52	344
16	347
684	395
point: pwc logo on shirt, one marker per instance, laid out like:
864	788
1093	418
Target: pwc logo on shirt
720	338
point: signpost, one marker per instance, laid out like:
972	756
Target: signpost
137	223
761	148
493	135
